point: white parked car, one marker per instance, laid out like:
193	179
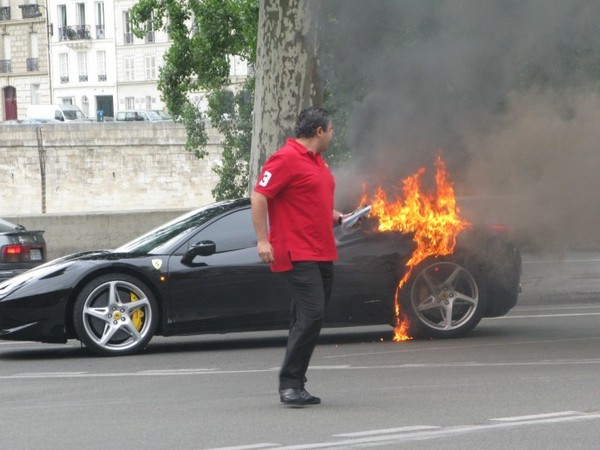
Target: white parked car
134	115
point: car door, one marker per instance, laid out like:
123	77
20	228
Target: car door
230	289
367	272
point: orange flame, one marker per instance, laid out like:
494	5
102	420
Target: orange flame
432	217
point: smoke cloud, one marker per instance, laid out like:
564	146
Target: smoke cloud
507	91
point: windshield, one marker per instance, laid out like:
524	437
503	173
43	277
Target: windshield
73	114
7	226
159	239
152	115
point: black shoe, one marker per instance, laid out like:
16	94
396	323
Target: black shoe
295	396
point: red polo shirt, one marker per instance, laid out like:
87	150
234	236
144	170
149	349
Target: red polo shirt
299	187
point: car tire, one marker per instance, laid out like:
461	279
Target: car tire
115	314
443	299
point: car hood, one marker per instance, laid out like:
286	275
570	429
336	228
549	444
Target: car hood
77	264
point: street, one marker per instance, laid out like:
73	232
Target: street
525	381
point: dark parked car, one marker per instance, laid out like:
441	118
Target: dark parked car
20	249
201	273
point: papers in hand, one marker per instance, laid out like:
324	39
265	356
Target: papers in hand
349	220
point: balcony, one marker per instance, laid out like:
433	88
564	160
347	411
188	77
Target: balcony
4	13
100	32
64	79
102	77
74	33
83	77
31	11
5	66
33	65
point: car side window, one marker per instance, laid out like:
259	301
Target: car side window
231	232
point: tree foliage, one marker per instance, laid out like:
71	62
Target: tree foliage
231	113
205	34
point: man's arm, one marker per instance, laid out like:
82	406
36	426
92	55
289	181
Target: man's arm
337	216
259	220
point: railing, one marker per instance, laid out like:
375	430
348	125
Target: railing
5	66
74	33
102	77
64	79
5	13
33	65
83	77
31	11
128	38
100	32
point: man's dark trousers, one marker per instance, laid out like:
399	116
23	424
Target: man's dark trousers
310	284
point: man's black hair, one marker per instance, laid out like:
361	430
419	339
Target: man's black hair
310	120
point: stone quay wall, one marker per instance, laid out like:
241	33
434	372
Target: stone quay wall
105	182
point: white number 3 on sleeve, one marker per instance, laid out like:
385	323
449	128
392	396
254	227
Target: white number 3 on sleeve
265	179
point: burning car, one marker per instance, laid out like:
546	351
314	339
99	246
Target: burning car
200	273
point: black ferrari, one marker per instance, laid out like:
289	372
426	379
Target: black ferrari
200	273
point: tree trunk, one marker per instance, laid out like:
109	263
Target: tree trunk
287	76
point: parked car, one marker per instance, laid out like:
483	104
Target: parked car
163	114
58	113
20	249
200	273
136	115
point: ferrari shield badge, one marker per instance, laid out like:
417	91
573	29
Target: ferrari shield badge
157	263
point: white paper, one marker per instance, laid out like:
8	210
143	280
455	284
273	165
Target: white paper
349	220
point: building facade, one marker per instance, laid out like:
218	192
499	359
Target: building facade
81	52
24	51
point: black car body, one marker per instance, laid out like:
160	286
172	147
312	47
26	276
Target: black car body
20	249
200	273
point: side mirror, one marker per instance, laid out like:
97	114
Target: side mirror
202	248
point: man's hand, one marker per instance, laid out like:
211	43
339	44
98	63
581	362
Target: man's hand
265	252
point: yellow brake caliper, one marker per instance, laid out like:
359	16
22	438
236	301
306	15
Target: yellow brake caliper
137	318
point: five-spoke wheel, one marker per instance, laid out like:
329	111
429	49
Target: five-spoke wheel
115	314
444	300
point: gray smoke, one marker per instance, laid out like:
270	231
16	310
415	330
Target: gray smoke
506	90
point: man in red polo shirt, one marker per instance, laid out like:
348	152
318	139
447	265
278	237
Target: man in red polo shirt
295	190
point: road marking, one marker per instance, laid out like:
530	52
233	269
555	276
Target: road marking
552	307
422	432
175	371
453	347
559	261
537	316
248	447
537	416
214	371
387	430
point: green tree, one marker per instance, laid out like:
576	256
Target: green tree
231	113
205	34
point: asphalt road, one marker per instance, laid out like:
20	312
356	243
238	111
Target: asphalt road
525	381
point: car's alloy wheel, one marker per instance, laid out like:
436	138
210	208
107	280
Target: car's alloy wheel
444	300
115	315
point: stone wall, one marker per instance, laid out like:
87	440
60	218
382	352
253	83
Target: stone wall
71	233
101	167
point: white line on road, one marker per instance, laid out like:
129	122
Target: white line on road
538	316
387	430
432	432
249	447
188	372
537	416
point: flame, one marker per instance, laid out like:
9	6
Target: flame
433	218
